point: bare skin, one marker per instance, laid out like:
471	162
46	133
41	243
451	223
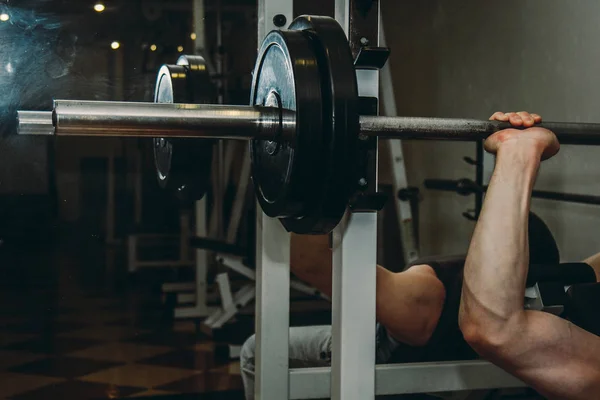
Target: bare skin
408	304
594	261
555	357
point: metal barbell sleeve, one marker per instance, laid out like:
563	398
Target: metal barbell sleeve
95	118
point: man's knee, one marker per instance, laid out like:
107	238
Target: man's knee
247	354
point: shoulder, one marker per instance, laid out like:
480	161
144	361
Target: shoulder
427	269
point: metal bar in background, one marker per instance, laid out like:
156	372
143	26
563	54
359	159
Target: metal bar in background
201	256
393	148
213	228
568	197
467	187
240	198
219	186
201	260
199	26
138	187
110	197
220	55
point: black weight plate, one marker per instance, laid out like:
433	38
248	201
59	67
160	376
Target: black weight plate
286	173
340	134
171	87
201	89
183	166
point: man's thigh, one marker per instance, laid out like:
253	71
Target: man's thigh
310	346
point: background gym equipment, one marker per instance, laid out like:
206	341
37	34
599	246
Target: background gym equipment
304	125
581	306
465	187
181	168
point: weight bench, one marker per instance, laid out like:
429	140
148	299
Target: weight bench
583	306
577	299
548	286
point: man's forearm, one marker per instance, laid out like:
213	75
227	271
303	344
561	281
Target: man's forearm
497	261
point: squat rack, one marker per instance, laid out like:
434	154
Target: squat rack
353	374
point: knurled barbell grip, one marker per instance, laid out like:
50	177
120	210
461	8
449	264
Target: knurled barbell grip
456	129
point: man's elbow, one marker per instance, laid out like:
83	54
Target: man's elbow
428	320
424	334
486	336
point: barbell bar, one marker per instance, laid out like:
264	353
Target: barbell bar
127	119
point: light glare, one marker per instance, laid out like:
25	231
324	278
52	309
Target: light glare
180	49
4	17
193	36
115	45
153	47
99	7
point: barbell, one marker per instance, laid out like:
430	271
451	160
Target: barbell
303	123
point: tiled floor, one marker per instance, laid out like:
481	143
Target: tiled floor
74	326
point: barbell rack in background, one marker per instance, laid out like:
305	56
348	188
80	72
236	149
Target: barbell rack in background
466	187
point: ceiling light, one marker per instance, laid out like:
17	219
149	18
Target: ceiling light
4	17
115	45
153	47
99	7
180	49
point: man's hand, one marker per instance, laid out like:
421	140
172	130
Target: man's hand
542	140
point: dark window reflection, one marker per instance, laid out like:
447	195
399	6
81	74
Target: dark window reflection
99	50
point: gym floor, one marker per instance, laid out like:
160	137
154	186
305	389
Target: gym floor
74	326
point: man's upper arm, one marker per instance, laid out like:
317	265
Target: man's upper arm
561	360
